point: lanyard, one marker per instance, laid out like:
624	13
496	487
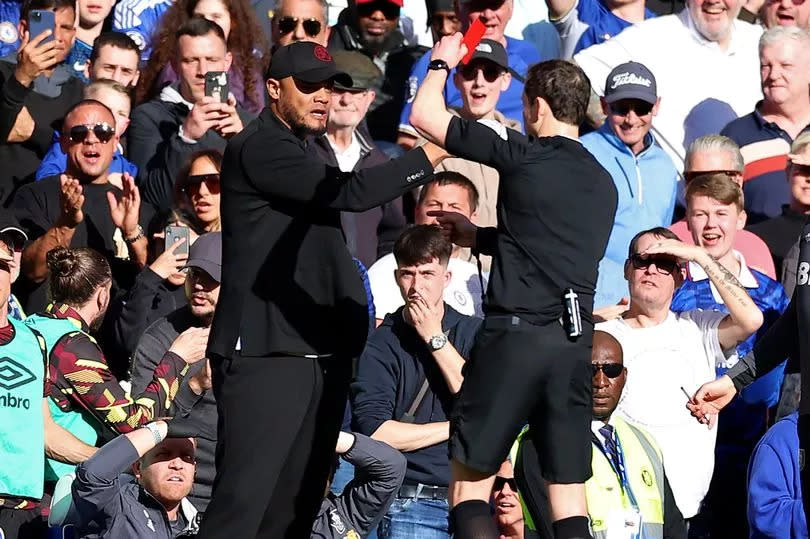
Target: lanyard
619	469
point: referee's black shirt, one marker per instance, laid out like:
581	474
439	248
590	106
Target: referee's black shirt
556	206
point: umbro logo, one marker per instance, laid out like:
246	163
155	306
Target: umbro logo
14	374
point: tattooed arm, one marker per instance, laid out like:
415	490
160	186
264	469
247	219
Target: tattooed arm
744	316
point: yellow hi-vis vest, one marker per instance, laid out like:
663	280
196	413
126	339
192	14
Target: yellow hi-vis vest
645	473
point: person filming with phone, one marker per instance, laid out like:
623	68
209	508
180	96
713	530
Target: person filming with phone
185	117
37	89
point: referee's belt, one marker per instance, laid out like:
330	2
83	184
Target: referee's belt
423	492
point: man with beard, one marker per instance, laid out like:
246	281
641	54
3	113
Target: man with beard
292	310
85	398
370	26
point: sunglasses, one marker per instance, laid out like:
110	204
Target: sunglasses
211	181
104	132
664	264
491	71
312	27
801	170
501	481
611	370
690	175
389	10
623	108
794	2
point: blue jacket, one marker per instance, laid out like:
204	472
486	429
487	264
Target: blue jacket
55	162
9	18
774	484
646	184
139	19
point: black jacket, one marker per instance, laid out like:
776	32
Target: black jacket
154	144
395	62
289	285
389	375
20	160
371	234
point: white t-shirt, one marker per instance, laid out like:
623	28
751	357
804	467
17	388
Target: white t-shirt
680	352
462	294
701	87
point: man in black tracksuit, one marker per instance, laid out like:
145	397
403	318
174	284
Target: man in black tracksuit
292	311
556	207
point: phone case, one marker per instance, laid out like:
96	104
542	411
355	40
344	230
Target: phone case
40	20
216	85
174	234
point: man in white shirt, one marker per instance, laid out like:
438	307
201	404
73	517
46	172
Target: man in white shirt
667	354
449	191
705	61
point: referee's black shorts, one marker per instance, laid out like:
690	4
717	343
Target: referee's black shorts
518	373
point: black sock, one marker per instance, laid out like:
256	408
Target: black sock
572	528
472	520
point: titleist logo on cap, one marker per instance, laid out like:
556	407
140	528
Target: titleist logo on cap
629	78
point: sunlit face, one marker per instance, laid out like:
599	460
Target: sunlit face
167	470
505	497
630	119
118	103
120	65
303	106
215	11
202	292
714	225
93	12
450	197
12	243
349	107
196	56
785	72
650	286
481	83
495	14
799	178
89	158
204	195
444	23
714	19
295	21
426	281
64	31
786	13
606	390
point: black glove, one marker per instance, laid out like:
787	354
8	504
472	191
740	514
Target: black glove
186	426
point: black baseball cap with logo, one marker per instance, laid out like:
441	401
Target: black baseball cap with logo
307	62
631	80
493	51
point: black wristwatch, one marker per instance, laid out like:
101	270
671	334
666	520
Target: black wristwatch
436	65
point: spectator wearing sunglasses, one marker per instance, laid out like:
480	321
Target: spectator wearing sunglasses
167	129
14	238
117	98
765	135
507	503
781	233
714	213
785	13
370	26
81	208
642	172
300	20
667	353
629	485
481	83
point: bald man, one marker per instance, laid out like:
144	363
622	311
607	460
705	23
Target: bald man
55	211
639	498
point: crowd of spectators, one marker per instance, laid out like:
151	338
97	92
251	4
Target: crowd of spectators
111	147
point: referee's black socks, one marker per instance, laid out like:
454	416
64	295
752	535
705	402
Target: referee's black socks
571	528
473	520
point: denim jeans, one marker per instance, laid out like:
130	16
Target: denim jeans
409	518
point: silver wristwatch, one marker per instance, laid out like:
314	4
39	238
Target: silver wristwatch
437	342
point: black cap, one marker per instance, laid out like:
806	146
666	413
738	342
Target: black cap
9	223
364	72
306	61
631	80
491	50
206	254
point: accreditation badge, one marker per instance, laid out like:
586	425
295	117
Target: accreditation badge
624	524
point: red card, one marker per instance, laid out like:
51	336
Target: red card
472	38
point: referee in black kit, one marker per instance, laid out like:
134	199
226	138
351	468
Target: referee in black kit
292	311
556	207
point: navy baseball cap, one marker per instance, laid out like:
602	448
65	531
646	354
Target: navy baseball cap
206	254
631	81
308	62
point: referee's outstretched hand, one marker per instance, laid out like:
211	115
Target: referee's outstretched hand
455	227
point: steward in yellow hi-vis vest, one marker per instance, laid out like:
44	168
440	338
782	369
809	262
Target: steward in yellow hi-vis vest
628	495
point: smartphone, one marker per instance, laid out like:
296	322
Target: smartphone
472	38
173	234
216	85
40	20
